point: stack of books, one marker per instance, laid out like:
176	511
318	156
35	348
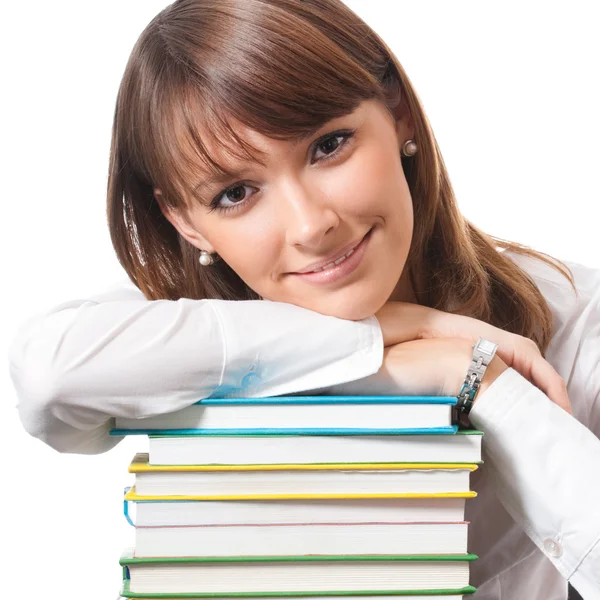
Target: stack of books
301	496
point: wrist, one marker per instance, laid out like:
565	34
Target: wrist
403	322
467	358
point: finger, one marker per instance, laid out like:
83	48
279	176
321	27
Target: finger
518	354
551	383
527	359
535	368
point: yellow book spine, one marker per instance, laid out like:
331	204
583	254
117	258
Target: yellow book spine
140	464
133	496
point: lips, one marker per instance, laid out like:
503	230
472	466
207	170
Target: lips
342	269
338	255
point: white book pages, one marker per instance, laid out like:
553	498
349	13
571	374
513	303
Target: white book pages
252	512
236	450
261	483
302	539
297	576
301	416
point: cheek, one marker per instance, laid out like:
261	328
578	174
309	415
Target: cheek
250	246
372	183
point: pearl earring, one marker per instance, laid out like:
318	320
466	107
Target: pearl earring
205	258
409	148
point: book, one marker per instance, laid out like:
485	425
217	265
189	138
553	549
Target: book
301	496
293	574
463	447
258	512
300	480
302	415
441	595
302	539
323	596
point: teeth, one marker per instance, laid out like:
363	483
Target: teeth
334	263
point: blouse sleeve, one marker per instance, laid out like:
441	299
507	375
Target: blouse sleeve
545	463
116	354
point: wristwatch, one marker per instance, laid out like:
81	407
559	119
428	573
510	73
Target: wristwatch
483	353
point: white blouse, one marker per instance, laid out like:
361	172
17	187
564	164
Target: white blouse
536	520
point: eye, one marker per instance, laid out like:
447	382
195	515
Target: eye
332	143
235	195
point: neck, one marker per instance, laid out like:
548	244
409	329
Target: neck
404	291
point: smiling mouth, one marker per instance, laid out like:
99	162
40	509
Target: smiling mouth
338	270
334	263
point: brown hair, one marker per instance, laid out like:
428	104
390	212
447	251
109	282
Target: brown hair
284	68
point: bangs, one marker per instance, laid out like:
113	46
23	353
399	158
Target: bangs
208	140
282	85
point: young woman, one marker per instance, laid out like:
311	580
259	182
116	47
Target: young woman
280	205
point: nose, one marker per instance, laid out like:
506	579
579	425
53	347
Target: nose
306	214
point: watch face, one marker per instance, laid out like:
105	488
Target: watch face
486	346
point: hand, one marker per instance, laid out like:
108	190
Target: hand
427	367
402	322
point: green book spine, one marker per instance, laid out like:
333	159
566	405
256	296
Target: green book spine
128	559
127	593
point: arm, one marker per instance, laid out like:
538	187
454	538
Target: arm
545	464
118	354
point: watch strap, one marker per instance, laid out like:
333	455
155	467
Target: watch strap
483	353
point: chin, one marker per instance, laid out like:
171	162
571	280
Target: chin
354	307
354	313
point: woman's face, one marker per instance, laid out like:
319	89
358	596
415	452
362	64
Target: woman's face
343	189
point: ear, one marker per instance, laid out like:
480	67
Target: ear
180	219
405	129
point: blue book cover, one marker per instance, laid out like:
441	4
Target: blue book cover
310	416
290	400
450	430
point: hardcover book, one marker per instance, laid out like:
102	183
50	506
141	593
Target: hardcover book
300	480
464	447
297	574
302	539
302	415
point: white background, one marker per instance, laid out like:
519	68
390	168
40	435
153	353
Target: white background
511	89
